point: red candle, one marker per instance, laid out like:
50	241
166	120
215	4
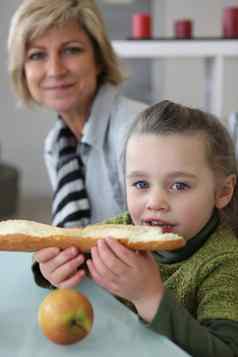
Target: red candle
230	22
141	25
183	28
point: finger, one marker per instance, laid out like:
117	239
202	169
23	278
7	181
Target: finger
62	258
44	255
98	278
99	264
73	280
110	260
93	271
124	254
65	271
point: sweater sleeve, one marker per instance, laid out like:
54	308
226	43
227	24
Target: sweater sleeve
39	278
208	339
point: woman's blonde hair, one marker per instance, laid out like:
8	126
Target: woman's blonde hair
33	18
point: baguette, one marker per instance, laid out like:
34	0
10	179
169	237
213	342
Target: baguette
30	236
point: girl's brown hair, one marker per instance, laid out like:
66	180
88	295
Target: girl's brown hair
167	118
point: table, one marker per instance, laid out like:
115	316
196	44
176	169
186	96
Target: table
116	331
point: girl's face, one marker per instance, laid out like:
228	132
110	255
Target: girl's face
60	69
169	183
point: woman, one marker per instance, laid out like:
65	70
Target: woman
60	58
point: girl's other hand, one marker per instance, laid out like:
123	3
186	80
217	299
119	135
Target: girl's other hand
60	268
131	275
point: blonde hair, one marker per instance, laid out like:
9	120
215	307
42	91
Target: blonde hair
33	18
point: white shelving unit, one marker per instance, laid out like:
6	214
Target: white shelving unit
214	52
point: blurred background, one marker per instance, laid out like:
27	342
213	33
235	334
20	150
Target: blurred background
22	132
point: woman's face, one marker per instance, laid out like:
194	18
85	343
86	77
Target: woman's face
170	184
61	70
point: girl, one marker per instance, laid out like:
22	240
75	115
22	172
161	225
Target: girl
180	176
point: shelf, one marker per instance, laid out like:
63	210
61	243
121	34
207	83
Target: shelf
213	52
176	48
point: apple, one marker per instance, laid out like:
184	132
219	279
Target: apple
65	316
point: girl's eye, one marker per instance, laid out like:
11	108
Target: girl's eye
180	186
36	56
140	185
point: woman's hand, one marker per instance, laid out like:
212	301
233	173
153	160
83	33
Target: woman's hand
60	268
131	275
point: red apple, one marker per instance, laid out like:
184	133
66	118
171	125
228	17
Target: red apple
65	316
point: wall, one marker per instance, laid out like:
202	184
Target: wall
183	79
21	131
118	18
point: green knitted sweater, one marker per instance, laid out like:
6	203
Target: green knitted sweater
199	311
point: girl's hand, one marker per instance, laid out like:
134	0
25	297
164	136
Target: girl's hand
60	268
131	275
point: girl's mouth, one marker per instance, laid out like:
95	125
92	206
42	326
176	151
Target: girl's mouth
164	226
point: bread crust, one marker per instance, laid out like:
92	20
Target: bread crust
29	236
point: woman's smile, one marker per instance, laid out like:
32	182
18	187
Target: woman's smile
61	70
59	90
58	86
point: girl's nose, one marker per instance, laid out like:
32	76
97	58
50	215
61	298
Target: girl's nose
157	201
55	65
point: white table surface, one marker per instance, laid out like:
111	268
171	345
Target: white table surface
116	330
